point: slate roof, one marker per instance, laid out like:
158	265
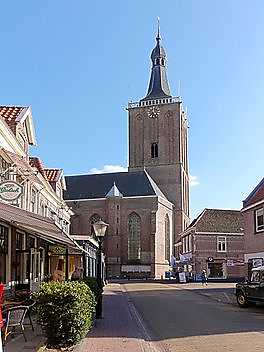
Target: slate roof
158	84
256	195
219	220
130	184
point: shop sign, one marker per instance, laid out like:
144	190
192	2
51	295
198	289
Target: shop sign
182	278
57	250
10	190
136	268
185	257
229	262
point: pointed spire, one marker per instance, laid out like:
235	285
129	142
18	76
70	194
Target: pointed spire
158	37
114	192
158	84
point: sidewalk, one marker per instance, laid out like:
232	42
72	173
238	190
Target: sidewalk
120	330
34	341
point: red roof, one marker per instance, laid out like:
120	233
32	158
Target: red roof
53	175
38	164
11	113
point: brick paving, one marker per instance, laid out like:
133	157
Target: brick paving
120	330
34	341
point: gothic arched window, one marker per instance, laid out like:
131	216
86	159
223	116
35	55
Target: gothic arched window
154	150
94	218
167	237
134	234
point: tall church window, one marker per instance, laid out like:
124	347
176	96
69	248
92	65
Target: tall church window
134	234
154	150
93	219
167	237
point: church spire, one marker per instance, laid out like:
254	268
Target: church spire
158	84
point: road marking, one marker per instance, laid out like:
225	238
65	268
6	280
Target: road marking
151	346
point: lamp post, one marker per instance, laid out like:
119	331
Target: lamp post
99	229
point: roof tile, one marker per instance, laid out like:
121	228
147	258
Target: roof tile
220	220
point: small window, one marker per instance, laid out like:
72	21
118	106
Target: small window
117	207
221	244
116	231
255	277
117	220
154	150
259	220
33	200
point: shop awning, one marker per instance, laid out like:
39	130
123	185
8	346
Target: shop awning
35	224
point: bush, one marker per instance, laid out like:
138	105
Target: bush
92	283
65	311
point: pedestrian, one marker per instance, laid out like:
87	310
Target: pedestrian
204	278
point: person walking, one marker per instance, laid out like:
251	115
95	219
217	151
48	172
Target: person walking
204	278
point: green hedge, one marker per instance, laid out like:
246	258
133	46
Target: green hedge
65	311
93	285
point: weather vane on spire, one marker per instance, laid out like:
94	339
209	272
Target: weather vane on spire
158	34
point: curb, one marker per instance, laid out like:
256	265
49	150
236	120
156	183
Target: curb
145	333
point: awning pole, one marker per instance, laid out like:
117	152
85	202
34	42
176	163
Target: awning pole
1	348
67	264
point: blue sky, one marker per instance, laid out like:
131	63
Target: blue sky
78	63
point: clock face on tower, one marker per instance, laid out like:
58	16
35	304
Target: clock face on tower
153	112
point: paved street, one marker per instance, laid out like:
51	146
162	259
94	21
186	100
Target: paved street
188	318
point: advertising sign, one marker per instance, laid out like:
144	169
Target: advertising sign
10	190
182	278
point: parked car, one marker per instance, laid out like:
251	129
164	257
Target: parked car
251	292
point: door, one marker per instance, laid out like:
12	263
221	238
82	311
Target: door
255	288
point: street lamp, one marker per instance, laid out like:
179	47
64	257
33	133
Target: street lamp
99	229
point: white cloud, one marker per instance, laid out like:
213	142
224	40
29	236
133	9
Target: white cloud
107	169
194	181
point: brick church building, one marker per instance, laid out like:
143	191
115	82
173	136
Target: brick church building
148	206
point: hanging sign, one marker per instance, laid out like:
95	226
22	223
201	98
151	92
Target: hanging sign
10	190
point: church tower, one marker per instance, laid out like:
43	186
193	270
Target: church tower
158	139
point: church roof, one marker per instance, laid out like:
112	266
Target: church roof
130	184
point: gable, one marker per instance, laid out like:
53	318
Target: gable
19	120
256	195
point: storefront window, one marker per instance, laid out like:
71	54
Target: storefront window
215	270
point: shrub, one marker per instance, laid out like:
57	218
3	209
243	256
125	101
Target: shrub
65	311
92	283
